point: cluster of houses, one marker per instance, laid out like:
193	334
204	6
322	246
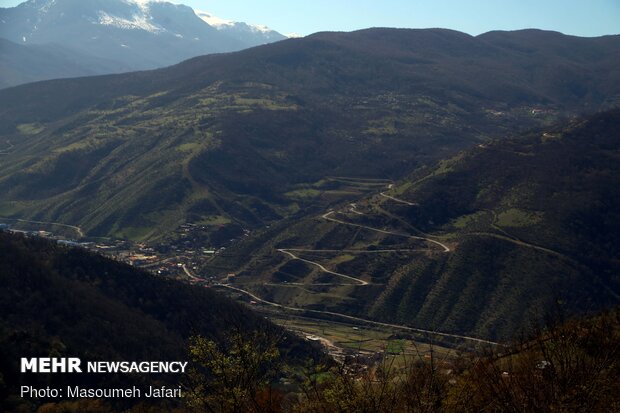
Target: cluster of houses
185	251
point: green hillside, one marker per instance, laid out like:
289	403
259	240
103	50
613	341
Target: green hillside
485	243
247	138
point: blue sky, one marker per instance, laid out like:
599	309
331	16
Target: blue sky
577	17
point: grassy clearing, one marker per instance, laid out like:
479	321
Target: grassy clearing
30	128
360	339
423	100
188	147
214	220
303	193
396	347
343	193
444	167
518	218
310	299
468	221
8	209
386	126
340	259
80	145
135	233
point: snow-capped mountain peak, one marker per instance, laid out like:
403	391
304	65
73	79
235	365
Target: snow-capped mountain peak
231	26
260	28
131	34
214	21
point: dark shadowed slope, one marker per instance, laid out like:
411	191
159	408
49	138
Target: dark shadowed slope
60	302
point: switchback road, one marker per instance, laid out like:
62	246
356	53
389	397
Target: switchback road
328	217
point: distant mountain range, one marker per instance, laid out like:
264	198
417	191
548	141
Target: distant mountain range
67	38
257	34
21	63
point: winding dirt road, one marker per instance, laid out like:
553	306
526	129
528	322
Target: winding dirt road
401	201
383	231
327	216
359	282
322	268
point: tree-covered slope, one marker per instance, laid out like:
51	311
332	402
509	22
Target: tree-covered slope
556	188
61	302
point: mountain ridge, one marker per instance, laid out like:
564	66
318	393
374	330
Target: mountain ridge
338	40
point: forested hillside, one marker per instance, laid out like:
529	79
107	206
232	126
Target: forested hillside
486	243
63	302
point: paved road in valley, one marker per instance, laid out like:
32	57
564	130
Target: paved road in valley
73	227
357	319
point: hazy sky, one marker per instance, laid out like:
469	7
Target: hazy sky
577	17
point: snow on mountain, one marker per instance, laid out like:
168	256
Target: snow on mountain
261	33
214	21
136	34
137	22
